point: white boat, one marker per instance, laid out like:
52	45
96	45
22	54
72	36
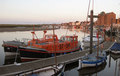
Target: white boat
47	71
86	41
92	60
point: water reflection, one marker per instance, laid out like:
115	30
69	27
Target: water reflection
110	68
119	68
116	58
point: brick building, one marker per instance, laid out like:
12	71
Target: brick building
105	18
118	21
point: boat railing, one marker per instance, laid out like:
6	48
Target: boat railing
16	42
25	40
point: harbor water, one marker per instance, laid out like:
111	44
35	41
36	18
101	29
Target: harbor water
110	68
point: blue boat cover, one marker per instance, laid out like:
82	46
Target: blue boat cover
116	46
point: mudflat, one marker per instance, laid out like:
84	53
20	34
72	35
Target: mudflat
12	29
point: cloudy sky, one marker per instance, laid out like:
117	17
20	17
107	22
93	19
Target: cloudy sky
52	11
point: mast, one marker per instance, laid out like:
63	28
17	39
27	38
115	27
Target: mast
33	33
91	26
87	18
54	46
91	31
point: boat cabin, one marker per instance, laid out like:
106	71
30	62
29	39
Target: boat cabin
69	38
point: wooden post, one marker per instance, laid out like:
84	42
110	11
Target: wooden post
98	42
54	46
111	29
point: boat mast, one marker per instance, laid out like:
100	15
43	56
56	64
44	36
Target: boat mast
87	18
91	27
33	33
91	31
54	46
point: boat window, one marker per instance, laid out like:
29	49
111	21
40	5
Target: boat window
48	37
74	39
94	36
54	38
71	39
64	38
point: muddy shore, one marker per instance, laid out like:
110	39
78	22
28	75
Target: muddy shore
12	29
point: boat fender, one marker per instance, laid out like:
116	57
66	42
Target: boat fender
62	74
96	64
80	64
64	53
52	55
80	48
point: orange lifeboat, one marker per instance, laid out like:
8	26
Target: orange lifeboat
48	45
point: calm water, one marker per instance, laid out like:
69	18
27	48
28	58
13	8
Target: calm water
112	67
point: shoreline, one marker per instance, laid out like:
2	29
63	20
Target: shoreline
13	29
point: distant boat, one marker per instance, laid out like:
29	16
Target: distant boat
86	41
92	60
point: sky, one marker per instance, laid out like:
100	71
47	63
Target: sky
52	11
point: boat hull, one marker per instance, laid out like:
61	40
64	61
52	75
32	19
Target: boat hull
89	64
92	70
28	54
11	46
115	52
10	49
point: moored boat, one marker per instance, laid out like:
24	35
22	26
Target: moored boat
86	41
115	49
46	71
38	48
35	48
11	46
92	60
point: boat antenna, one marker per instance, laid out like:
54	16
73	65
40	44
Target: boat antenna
66	31
54	46
87	16
33	33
